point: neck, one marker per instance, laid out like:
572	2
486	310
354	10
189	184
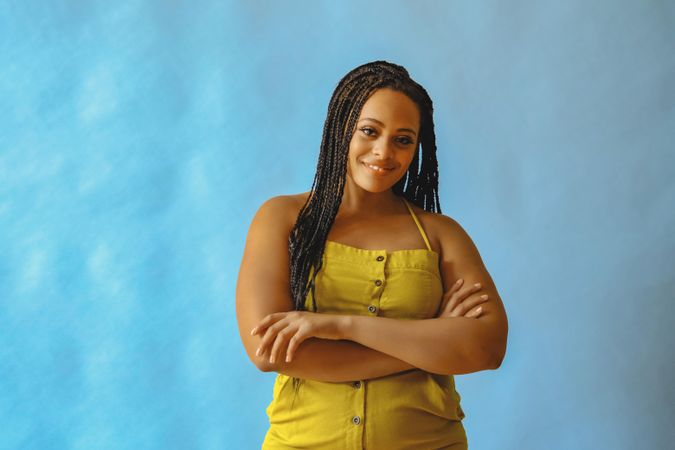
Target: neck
359	202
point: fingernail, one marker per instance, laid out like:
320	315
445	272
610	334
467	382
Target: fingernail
480	309
288	358
484	296
271	359
459	281
258	352
477	285
253	330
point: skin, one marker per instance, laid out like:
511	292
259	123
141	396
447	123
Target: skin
478	337
377	140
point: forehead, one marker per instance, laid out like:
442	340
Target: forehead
392	108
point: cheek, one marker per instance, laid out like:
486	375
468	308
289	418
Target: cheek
351	165
352	157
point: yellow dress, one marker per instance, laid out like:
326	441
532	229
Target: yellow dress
414	409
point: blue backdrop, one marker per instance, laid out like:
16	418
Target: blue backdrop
137	139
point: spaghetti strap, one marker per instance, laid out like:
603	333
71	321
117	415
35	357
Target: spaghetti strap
419	225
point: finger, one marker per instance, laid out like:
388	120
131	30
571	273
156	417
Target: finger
470	290
294	343
464	294
467	304
268	338
453	289
267	321
463	306
458	311
457	298
279	344
474	301
444	303
475	313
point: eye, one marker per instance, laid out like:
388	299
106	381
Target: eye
406	140
366	129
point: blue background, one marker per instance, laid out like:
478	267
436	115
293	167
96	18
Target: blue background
137	140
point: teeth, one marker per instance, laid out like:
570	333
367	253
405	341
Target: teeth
377	168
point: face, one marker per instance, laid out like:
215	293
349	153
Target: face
386	136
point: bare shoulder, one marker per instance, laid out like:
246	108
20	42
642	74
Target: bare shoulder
441	229
455	247
446	229
460	257
295	204
281	211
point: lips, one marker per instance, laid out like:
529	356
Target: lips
379	166
378	170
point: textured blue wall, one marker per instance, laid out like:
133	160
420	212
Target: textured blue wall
137	139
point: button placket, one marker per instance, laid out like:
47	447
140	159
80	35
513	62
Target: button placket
359	411
372	308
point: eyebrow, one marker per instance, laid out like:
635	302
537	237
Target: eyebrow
381	124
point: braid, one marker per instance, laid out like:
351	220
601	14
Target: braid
419	185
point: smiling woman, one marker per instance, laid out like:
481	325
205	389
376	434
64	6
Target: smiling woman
372	299
383	153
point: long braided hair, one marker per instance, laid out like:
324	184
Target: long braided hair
419	185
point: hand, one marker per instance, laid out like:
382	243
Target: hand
292	328
455	302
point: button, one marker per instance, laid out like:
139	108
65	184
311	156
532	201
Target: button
378	282
356	384
372	308
356	420
380	258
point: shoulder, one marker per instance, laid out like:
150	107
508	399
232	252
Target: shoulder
459	254
451	235
281	210
444	232
446	227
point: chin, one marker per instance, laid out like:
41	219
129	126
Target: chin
375	188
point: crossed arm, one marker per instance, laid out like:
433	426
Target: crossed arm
335	361
379	346
372	346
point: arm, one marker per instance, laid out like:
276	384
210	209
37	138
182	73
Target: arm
445	345
481	339
266	258
337	361
417	342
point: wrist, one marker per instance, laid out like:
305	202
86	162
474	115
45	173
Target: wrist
345	326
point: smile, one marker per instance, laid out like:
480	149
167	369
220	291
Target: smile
377	170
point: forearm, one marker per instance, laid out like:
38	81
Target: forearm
445	345
337	361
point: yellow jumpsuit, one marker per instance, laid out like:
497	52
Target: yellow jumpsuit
414	409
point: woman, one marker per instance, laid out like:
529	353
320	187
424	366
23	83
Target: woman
361	292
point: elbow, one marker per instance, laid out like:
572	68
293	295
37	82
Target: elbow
495	357
488	358
266	366
263	364
495	362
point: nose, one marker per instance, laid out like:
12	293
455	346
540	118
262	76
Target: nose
384	149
